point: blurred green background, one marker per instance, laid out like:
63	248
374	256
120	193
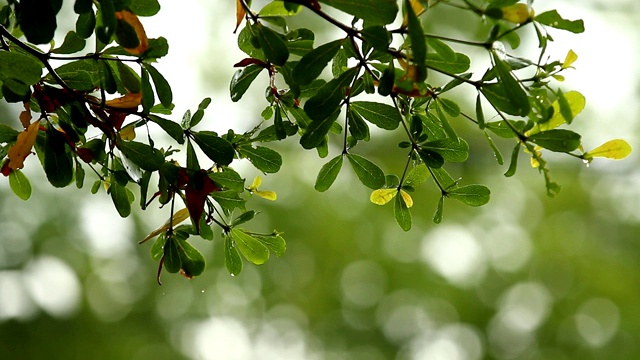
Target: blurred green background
524	277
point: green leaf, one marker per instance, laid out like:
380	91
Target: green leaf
120	199
312	64
148	98
20	67
460	64
449	106
357	127
513	164
382	115
82	6
263	158
172	262
228	199
199	114
216	148
172	128
143	155
517	96
418	42
274	47
242	79
243	218
327	100
450	150
431	158
368	173
373	12
250	247
559	140
108	21
472	195
553	19
279	8
502	129
37	19
157	249
316	132
494	148
377	37
85	24
402	214
442	49
446	126
144	7
20	184
479	112
275	243
232	260
497	95
417	176
129	78
72	43
437	216
8	134
328	173
163	89
157	48
443	178
58	162
191	260
228	179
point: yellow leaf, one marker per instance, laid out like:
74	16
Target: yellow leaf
22	148
178	217
128	133
570	59
256	183
406	198
517	13
25	116
418	9
558	77
382	196
132	19
269	195
576	102
240	13
613	149
129	101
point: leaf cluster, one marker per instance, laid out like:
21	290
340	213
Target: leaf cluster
378	73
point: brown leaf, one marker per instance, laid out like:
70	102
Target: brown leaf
240	13
25	116
22	148
132	19
129	101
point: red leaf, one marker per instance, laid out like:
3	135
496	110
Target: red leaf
199	187
250	61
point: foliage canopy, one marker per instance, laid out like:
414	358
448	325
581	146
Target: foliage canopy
91	111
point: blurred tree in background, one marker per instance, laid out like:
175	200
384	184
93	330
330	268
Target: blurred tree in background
523	277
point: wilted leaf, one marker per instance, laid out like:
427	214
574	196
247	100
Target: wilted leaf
128	101
178	217
132	20
22	148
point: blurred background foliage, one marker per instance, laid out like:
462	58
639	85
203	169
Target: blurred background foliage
524	277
